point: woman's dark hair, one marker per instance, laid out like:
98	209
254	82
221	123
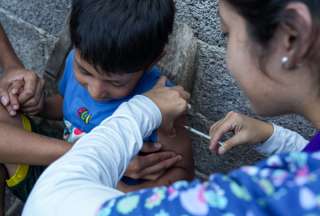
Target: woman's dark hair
263	16
121	36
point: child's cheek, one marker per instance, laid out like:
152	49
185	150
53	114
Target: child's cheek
122	92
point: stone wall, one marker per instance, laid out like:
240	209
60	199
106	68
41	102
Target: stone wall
33	26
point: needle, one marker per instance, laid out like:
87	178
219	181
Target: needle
199	133
194	131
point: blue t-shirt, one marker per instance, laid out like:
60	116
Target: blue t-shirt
82	113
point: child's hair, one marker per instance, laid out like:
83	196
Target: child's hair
263	16
121	36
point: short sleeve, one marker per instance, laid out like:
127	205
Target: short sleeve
62	85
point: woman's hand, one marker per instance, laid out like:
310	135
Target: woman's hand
151	163
246	131
172	102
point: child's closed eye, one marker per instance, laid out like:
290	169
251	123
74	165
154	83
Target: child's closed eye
118	84
84	72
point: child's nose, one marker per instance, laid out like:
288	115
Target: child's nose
98	92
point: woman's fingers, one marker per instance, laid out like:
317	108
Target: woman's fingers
245	130
38	93
35	110
13	93
230	143
184	94
223	126
161	166
149	147
154	176
149	164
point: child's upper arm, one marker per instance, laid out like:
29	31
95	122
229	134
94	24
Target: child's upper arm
62	84
180	144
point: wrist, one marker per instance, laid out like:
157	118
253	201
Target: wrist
7	69
267	131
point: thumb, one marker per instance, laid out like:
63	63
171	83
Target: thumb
161	82
229	144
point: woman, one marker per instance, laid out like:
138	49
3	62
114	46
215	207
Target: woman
276	44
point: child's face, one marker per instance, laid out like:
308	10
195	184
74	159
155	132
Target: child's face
104	87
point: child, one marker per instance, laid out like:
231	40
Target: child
116	44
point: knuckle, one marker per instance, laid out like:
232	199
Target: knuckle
175	94
136	176
32	102
134	168
30	75
234	115
231	113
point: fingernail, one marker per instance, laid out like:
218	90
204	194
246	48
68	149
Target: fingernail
15	107
221	150
4	100
13	113
14	91
179	157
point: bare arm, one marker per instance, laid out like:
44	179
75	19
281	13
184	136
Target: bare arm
182	170
8	58
20	146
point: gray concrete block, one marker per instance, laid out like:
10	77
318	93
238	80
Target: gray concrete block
31	45
202	16
46	14
215	92
180	57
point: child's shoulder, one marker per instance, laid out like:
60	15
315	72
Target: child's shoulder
153	74
67	78
149	80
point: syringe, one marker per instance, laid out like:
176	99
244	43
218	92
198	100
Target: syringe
194	131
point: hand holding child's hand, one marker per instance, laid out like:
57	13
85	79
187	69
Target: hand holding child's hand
34	105
151	163
12	104
172	102
246	131
20	90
